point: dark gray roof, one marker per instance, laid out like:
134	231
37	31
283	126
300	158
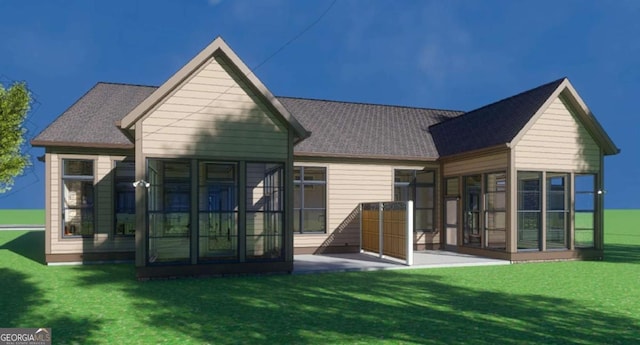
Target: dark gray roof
365	130
337	128
91	120
494	124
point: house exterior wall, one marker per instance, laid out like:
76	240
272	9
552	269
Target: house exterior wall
349	184
213	114
104	243
557	141
472	164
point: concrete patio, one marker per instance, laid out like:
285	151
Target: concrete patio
306	264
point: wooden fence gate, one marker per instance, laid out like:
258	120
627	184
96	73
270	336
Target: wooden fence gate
386	228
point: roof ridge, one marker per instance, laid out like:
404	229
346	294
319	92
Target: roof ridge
462	117
366	103
125	84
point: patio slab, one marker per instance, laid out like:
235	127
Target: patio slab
306	264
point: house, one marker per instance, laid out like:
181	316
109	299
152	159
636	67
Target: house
211	174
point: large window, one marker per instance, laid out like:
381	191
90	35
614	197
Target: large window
529	210
557	231
78	198
472	191
125	199
309	199
418	186
264	211
556	211
495	210
584	210
217	211
169	206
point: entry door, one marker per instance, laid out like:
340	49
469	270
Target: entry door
451	219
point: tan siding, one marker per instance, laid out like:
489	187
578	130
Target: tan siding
347	186
56	212
214	114
103	241
557	141
484	163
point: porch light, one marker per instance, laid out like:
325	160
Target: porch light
143	183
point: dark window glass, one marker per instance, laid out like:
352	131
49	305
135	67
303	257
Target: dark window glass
125	199
310	199
78	198
419	187
529	210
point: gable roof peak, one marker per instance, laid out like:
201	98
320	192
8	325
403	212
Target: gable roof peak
494	124
217	46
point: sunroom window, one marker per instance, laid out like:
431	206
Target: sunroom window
584	210
529	210
418	186
125	199
78	198
557	211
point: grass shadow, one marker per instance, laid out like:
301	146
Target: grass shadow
23	303
363	307
29	245
622	253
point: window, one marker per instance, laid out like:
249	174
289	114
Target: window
169	205
584	210
495	210
125	199
471	231
217	211
78	197
529	210
264	211
309	199
419	187
557	231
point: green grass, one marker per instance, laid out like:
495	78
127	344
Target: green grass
21	217
535	303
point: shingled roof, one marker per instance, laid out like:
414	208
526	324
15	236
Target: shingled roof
339	129
491	125
90	122
365	130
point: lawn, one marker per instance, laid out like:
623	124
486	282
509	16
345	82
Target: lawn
535	303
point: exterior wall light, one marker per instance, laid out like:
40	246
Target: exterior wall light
143	183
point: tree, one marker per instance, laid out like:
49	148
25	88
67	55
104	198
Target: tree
15	103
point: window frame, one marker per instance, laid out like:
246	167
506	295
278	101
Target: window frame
499	189
520	210
129	184
67	233
566	210
301	185
578	211
412	187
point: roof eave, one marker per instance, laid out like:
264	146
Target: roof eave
46	143
486	150
363	156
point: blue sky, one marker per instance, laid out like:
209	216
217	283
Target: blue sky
440	54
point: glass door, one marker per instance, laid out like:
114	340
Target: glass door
218	212
472	190
169	205
451	219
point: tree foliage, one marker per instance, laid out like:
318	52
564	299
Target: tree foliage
15	103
